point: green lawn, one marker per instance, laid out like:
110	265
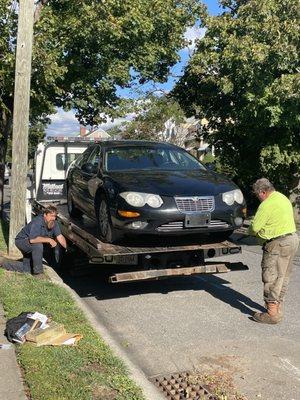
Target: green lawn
3	236
88	371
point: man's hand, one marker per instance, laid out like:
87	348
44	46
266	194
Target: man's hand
52	242
62	241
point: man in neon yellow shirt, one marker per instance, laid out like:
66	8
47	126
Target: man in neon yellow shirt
274	225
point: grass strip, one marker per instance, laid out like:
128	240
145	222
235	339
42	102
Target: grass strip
3	235
88	371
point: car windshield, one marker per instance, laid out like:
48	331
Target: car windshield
149	158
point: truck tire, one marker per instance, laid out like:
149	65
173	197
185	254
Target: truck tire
73	211
107	232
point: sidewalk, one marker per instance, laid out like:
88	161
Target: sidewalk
11	384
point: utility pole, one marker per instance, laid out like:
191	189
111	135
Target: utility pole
21	121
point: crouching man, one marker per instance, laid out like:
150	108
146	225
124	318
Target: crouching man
39	239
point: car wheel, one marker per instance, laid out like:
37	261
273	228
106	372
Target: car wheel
107	232
221	236
73	211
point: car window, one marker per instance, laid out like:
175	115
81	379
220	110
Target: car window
149	158
95	156
82	159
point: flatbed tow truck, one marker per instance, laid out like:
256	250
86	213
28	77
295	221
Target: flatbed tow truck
162	258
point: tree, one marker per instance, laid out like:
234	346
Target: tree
244	79
84	50
152	115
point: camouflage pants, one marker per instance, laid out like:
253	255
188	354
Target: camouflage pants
277	264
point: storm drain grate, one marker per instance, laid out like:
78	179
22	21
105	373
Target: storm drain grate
181	386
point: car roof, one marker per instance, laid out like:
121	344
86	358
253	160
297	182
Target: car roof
134	143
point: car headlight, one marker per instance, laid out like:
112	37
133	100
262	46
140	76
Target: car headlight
238	196
137	199
234	195
154	200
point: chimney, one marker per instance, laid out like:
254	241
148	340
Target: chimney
82	131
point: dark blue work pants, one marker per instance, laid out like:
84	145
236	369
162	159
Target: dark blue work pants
33	254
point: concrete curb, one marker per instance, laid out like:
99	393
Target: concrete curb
149	390
11	381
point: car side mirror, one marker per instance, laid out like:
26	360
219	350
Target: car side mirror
89	168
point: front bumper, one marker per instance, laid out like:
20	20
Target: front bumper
168	220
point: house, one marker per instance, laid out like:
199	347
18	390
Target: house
188	136
94	133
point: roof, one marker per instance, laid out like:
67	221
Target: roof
98	133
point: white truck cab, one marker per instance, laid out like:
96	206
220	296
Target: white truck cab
52	160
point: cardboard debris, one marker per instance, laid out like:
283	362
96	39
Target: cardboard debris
29	325
40	336
69	339
54	335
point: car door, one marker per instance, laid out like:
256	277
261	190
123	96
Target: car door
76	179
89	172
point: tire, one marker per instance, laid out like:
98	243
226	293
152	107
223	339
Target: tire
73	211
107	233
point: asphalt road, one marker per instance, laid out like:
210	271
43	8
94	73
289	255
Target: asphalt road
203	323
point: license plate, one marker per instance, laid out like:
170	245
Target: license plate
196	221
128	259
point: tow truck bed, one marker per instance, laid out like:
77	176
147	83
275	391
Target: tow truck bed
162	257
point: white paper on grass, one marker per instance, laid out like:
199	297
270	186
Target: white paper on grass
5	346
42	318
69	341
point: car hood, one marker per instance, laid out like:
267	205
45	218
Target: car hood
172	183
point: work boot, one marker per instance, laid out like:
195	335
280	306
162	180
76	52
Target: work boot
279	309
270	317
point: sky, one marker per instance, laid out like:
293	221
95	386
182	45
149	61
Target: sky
65	124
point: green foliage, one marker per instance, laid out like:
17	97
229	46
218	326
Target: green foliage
114	131
208	159
244	79
153	112
83	50
36	135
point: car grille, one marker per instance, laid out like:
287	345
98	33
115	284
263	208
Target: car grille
178	225
195	204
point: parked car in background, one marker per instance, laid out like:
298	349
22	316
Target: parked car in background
143	187
6	175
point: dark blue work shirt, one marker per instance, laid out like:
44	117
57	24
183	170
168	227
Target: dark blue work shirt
37	227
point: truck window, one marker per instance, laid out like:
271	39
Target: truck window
63	162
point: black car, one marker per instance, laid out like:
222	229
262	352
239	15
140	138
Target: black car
143	187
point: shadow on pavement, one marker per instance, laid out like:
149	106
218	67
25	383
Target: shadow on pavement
215	286
240	238
96	284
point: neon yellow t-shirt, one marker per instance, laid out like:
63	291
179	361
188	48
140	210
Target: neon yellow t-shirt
274	217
